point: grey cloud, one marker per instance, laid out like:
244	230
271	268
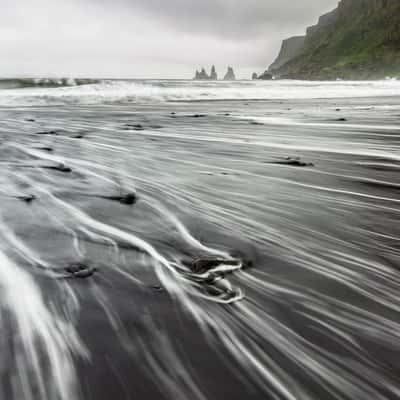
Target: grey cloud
147	38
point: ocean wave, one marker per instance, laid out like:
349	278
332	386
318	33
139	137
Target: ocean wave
21	83
49	92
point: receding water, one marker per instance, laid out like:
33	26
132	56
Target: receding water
181	240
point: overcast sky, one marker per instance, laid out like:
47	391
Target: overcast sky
147	38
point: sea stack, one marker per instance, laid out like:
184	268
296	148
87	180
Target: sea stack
230	75
213	75
254	76
202	75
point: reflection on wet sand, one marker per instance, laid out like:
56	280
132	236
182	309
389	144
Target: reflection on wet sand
145	256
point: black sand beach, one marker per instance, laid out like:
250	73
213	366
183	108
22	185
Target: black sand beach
232	249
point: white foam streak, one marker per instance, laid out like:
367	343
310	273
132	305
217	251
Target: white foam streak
42	333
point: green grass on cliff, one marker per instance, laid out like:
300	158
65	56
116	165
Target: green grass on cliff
364	44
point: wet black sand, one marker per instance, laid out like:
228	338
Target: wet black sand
303	194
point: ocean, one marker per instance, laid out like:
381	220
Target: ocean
179	240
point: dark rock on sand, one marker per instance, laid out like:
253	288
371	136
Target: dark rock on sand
293	162
247	263
205	264
135	127
30	120
79	270
27	199
45	148
341	119
256	123
47	133
128	199
60	167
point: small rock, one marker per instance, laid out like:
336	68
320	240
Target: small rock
129	199
203	265
79	270
60	167
135	127
27	199
49	149
47	133
293	162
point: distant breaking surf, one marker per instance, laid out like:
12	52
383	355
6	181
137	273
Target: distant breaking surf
40	92
21	83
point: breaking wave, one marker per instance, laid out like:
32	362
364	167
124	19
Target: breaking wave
21	83
84	91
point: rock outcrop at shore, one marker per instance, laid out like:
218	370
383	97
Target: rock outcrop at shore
265	76
360	39
230	75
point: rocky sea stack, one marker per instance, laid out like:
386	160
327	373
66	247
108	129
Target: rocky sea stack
230	75
360	39
203	76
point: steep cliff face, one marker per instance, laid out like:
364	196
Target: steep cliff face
290	49
358	40
325	22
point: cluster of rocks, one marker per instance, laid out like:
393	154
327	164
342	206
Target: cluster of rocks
265	76
203	76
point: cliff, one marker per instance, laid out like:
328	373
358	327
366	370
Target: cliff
290	49
360	39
